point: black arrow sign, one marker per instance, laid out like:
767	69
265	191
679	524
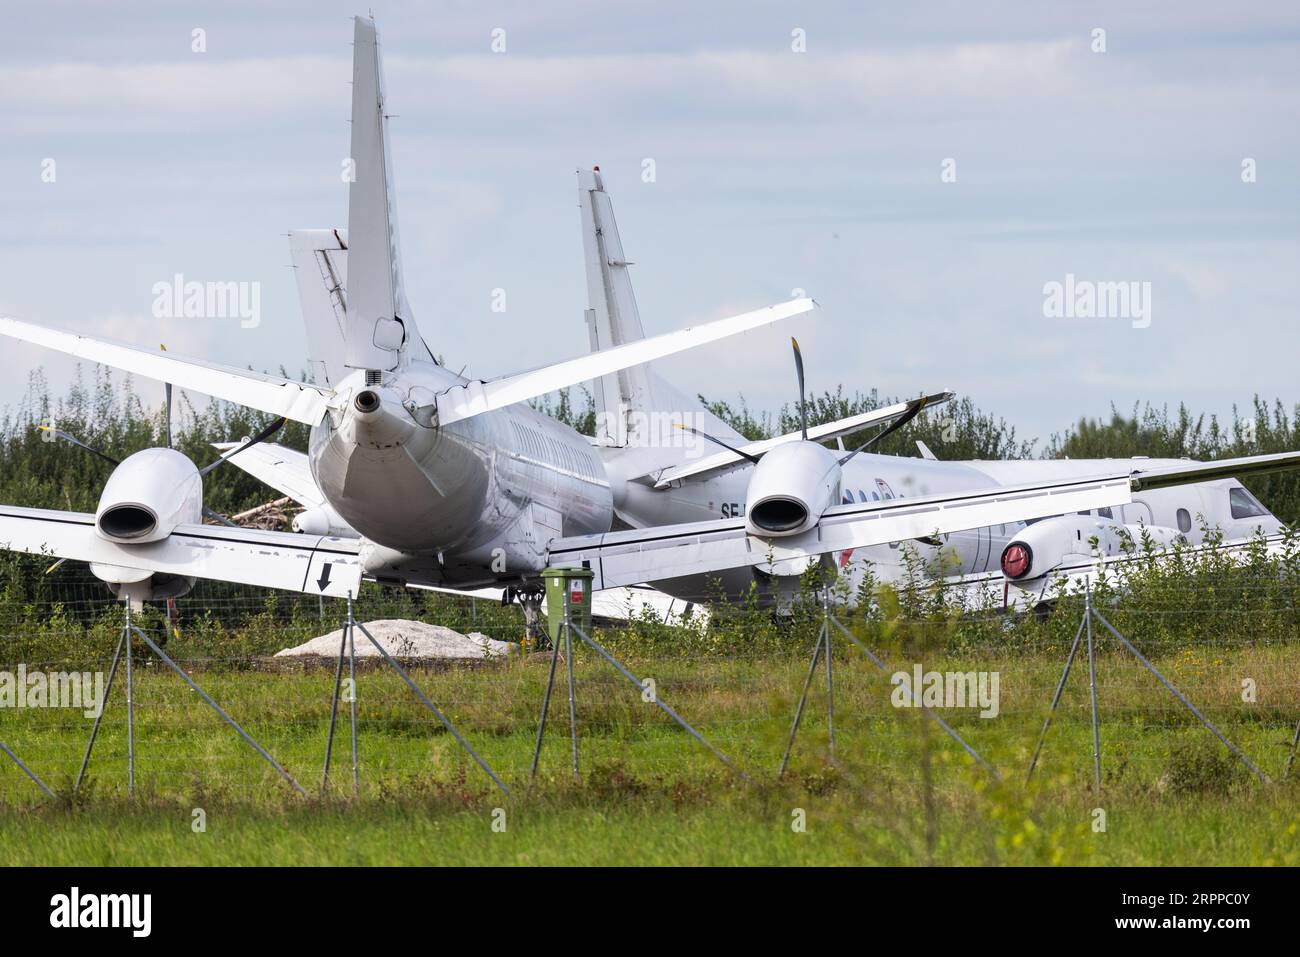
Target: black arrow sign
324	576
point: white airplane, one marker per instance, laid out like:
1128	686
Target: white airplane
637	410
428	478
633	428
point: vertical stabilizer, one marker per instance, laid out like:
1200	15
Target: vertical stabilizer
379	324
612	318
633	407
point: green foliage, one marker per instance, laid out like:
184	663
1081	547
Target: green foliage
1201	766
1180	603
1154	432
581	416
39	471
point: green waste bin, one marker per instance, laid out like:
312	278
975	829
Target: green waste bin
572	585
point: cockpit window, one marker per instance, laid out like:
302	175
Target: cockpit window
1244	505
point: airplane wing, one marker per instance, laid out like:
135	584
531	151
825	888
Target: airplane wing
1145	479
299	401
820	433
283	469
657	553
699	548
293	562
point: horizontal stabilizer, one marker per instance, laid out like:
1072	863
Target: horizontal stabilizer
304	563
285	470
299	401
475	398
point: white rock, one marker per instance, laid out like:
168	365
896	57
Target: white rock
403	638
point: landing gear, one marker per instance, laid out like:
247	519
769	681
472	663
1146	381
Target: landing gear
530	598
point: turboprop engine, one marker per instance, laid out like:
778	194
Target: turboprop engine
791	486
795	482
143	501
148	495
1045	546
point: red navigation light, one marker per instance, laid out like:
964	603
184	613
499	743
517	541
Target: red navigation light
1016	559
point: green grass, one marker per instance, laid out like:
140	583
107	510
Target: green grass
900	793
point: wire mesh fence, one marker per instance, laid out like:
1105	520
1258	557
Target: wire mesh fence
734	671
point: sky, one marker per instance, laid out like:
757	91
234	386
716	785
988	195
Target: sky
926	171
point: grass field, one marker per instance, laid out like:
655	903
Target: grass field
900	791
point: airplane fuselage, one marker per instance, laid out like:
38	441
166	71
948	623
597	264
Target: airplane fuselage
472	502
477	501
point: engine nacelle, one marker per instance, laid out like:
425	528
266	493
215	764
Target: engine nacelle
148	495
1045	546
141	584
791	486
322	520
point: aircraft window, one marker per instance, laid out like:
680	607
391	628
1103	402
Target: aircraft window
1244	505
875	496
861	496
848	499
1184	520
1085	512
1105	513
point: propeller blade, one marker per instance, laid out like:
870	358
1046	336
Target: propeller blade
167	388
60	434
218	517
55	567
803	406
262	436
913	407
704	435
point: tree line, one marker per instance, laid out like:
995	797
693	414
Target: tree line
109	412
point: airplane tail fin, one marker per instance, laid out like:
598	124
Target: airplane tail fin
633	406
612	318
379	325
